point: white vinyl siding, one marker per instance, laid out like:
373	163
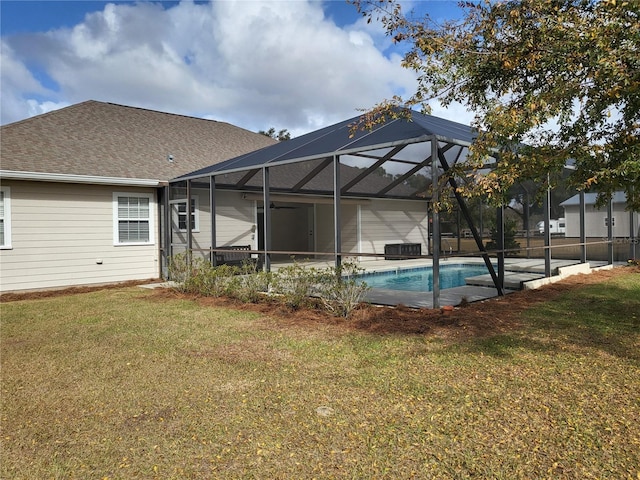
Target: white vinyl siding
325	234
63	235
133	218
5	217
393	221
235	222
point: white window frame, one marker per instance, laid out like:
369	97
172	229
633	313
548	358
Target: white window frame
175	215
6	218
151	219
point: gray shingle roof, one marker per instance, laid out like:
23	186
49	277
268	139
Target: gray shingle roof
109	140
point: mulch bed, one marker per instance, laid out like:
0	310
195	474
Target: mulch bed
488	317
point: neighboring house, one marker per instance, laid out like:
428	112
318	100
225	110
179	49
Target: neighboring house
83	188
625	223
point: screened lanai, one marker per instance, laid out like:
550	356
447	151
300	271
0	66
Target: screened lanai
339	192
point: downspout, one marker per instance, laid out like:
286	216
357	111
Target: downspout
359	229
610	231
632	236
168	232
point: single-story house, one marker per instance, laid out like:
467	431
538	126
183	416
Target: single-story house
82	193
596	220
101	193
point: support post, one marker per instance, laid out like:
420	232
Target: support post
583	232
168	230
547	232
458	229
267	219
610	221
500	239
212	206
435	223
481	205
527	221
336	212
189	222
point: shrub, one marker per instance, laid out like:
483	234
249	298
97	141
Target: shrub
198	276
250	283
510	242
295	284
341	290
338	289
179	270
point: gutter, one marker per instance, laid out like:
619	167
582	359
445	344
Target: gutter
70	178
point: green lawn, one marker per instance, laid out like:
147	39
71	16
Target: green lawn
124	384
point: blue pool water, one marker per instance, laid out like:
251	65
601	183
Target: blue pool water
421	279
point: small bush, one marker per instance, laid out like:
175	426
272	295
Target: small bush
198	276
511	246
180	270
295	284
340	289
250	284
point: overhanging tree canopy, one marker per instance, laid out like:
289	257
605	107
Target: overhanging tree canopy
561	76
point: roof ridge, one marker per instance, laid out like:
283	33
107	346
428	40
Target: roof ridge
164	113
45	114
113	104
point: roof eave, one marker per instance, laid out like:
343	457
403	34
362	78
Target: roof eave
71	178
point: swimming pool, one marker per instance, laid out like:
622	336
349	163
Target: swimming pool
421	279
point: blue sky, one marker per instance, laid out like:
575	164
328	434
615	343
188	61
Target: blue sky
294	64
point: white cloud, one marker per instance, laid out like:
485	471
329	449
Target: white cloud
456	112
255	64
17	81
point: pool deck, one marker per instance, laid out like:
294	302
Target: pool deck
450	296
518	271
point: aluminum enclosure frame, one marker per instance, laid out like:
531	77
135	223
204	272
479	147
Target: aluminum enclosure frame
382	144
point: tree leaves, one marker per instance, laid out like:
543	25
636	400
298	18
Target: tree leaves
281	135
559	76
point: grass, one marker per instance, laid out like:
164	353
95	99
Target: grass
124	384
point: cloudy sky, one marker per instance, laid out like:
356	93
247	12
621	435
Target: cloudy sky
296	64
